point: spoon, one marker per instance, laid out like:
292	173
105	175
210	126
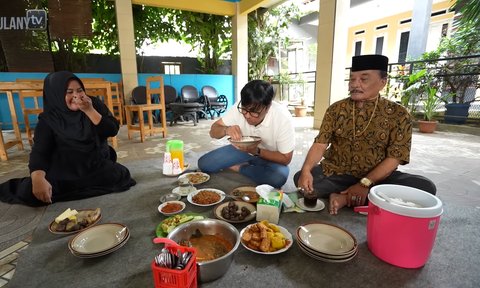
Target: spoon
243	197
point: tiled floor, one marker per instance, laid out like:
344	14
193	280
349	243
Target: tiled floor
8	260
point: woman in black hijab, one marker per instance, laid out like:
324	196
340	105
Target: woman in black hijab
70	157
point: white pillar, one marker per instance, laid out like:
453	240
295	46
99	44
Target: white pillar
332	38
239	51
417	40
126	41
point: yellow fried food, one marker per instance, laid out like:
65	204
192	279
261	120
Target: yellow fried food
263	230
247	236
278	243
264	236
265	244
256	236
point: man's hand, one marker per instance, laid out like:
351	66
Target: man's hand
234	132
305	181
356	195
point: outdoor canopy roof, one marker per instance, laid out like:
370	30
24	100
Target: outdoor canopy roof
217	7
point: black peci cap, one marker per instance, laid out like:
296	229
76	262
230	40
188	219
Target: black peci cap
369	62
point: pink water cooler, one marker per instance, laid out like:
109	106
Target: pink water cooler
398	232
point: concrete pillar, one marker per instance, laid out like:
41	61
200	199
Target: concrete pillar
239	51
330	84
126	39
417	41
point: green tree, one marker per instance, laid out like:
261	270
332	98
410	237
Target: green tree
461	73
469	12
210	33
266	35
150	24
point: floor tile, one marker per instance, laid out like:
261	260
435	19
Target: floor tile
12	249
4	269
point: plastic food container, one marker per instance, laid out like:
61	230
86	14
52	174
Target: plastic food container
398	234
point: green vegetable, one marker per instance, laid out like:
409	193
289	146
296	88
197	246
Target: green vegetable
186	219
167	225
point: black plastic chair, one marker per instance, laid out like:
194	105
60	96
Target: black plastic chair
215	104
139	97
189	106
171	97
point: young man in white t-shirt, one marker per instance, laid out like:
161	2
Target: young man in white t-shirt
254	115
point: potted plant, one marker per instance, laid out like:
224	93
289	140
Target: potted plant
412	88
459	71
421	89
301	110
430	102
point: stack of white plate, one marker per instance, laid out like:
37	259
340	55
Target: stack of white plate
326	242
99	240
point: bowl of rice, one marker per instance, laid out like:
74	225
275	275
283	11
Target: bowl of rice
246	141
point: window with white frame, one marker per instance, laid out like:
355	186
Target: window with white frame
172	67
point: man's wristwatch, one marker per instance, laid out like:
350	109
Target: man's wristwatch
365	182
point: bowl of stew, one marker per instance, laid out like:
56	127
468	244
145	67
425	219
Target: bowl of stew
216	242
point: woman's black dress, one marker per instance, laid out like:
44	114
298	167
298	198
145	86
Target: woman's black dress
72	151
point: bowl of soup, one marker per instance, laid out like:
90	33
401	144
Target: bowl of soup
216	242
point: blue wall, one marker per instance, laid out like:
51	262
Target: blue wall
223	83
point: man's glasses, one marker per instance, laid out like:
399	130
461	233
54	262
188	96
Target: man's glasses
254	114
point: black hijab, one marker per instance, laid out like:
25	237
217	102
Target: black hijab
74	127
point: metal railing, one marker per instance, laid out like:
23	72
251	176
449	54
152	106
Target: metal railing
300	87
461	73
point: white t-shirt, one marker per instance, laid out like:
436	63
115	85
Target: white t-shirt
276	130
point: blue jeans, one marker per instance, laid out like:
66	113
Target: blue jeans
259	170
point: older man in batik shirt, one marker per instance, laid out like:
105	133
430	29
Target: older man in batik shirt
362	140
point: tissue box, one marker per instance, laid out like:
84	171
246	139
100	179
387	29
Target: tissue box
270	209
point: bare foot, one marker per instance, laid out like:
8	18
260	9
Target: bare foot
337	201
235	168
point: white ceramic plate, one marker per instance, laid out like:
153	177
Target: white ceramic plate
320	205
93	255
240	205
326	259
246	141
284	231
250	191
196	178
182	205
177	191
185	167
98	238
326	238
324	255
219	192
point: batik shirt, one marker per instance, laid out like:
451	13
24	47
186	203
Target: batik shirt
389	134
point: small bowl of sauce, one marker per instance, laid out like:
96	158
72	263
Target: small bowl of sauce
171	207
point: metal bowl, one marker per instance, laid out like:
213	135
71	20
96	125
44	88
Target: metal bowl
170	197
216	268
